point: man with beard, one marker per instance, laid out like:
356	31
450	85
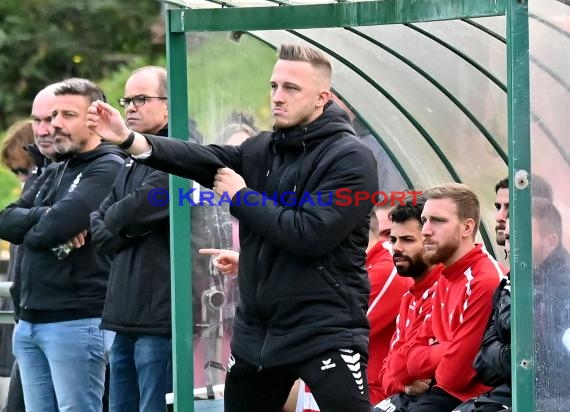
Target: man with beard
502	208
551	270
58	343
386	291
541	189
449	340
415	306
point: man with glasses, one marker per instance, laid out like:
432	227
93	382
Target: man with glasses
145	101
134	232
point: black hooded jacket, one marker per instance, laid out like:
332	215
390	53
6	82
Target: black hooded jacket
493	362
49	214
552	320
302	279
134	232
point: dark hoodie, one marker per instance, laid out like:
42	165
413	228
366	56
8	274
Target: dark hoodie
134	233
49	214
552	320
302	280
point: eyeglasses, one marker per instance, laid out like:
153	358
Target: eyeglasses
138	101
20	171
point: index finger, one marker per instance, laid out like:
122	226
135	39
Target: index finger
212	252
224	171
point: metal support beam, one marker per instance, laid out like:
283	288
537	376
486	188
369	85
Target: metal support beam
344	14
180	256
520	210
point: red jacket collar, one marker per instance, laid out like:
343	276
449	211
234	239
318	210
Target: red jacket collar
458	268
376	254
419	288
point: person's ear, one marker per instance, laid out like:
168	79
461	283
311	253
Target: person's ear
469	228
323	97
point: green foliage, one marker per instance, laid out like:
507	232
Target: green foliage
9	187
9	184
224	76
43	41
114	84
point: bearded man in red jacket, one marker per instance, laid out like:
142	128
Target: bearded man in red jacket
449	339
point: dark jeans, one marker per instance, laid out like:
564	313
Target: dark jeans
434	400
15	402
141	373
498	399
337	380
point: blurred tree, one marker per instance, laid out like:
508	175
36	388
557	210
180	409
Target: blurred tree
43	41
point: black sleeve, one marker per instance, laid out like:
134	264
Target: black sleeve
105	241
136	214
19	217
310	229
191	160
493	362
69	215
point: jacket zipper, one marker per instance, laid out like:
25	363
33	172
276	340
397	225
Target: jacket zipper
260	366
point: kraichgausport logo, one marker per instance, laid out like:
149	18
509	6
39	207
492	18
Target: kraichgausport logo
340	197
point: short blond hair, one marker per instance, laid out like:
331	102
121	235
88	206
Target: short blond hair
464	198
299	53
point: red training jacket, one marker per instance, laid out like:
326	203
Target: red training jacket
386	291
414	308
461	306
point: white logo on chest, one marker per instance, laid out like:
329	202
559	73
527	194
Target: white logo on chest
75	183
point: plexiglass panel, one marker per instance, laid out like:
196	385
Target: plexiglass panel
435	58
228	80
394	85
376	110
473	42
549	25
418	97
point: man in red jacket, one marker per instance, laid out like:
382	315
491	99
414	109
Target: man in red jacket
415	306
386	291
450	338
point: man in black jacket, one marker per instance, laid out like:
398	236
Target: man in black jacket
552	318
303	234
135	234
493	361
58	343
43	153
551	263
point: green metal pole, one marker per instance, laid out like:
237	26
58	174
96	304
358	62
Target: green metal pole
180	256
520	211
344	14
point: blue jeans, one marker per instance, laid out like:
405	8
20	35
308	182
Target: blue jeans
141	373
62	365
